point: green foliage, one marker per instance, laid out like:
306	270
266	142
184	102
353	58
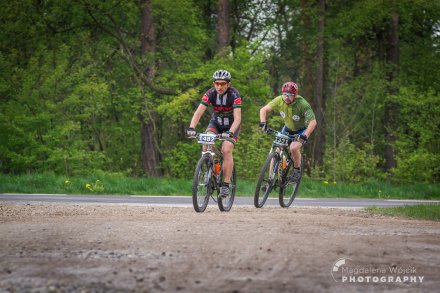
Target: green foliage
359	74
417	166
362	20
355	109
180	108
349	163
71	97
249	77
180	162
418	139
97	187
251	152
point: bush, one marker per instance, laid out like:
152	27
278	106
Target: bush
418	136
351	164
181	161
418	166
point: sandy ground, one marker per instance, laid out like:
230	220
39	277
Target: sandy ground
133	248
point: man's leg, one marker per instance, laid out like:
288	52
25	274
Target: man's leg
228	164
295	152
228	161
212	129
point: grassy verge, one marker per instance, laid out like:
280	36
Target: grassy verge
372	189
93	184
422	212
112	184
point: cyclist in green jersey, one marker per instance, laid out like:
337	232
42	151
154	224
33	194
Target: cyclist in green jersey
298	117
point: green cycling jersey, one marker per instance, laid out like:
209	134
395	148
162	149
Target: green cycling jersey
297	115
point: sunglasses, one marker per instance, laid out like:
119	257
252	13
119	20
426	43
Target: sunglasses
220	83
287	94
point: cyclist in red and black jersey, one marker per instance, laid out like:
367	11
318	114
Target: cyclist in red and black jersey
225	120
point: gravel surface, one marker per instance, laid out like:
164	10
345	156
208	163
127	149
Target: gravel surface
140	248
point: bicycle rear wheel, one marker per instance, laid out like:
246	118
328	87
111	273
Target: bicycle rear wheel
201	187
267	179
288	190
225	203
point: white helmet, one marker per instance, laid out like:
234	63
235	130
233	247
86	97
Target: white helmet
222	75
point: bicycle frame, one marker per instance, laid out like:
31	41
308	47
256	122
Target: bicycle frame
206	181
280	144
207	141
275	169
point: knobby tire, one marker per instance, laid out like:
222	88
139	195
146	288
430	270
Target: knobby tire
288	191
201	187
260	199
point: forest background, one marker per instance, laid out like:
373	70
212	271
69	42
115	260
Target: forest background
110	86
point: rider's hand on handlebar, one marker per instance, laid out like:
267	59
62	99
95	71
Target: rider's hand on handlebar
302	138
227	134
263	126
190	132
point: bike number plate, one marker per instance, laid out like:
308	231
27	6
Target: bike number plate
281	139
207	138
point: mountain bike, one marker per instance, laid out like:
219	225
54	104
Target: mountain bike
275	172
208	175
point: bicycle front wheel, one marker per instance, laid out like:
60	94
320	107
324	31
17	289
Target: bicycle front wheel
288	190
267	179
201	187
225	203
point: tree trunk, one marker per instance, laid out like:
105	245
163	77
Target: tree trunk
150	154
319	89
391	108
307	76
307	73
222	25
148	39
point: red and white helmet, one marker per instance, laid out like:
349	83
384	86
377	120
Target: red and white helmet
289	87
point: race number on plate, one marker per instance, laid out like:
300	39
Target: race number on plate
207	138
281	139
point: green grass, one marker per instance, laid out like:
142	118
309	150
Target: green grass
117	184
372	189
53	184
422	212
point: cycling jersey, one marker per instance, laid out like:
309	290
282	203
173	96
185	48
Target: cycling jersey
297	115
223	105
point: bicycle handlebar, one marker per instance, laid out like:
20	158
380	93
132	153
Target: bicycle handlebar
271	130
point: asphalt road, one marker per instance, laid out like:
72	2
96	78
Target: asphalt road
185	201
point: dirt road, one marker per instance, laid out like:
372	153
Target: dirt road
133	248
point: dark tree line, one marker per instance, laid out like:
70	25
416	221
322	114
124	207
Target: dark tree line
111	85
